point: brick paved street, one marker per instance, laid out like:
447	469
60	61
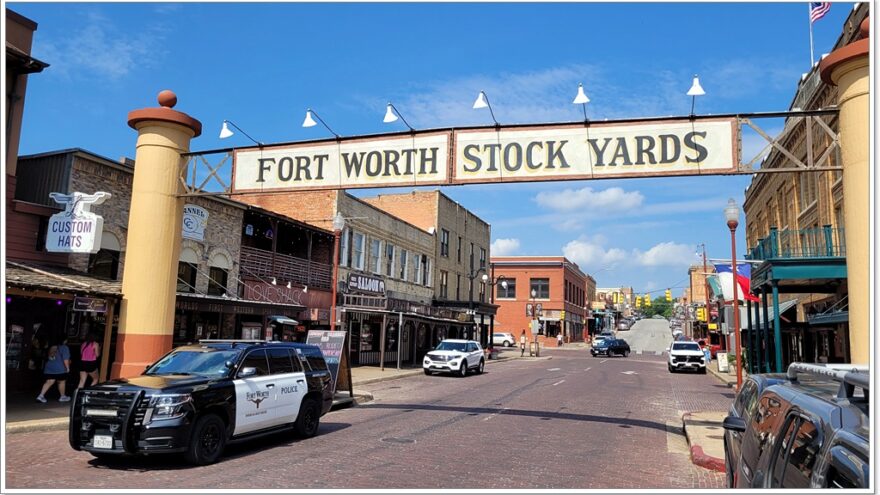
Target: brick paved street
572	421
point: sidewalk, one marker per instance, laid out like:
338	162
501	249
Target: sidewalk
705	438
24	414
727	378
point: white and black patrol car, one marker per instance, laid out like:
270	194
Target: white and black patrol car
197	398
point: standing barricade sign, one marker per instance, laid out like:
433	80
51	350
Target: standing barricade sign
332	344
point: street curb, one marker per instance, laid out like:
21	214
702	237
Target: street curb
699	457
37	425
721	377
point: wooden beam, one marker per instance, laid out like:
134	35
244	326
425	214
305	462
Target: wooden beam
15	291
105	346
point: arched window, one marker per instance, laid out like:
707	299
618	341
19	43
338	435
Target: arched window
105	263
218	273
187	269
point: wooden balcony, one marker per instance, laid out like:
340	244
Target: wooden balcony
259	263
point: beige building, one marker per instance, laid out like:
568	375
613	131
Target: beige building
794	226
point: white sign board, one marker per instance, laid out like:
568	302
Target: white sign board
388	161
597	150
76	229
195	219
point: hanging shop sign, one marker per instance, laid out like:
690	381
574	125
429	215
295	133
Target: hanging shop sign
89	304
365	284
602	150
195	219
76	229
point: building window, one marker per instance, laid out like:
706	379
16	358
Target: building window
186	277
104	263
471	259
459	248
217	281
41	234
426	271
444	288
482	257
541	286
482	292
458	285
404	258
345	247
509	292
389	259
357	251
417	268
375	255
444	243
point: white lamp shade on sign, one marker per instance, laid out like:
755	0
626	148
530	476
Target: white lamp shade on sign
696	89
224	131
731	211
581	96
481	101
338	221
504	284
390	116
485	278
309	121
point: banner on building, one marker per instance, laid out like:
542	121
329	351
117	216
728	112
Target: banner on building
195	219
598	150
76	229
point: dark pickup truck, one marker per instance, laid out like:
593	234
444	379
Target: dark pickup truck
197	398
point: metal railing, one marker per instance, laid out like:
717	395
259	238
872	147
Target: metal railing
816	242
265	264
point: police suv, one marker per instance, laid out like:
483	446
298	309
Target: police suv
197	398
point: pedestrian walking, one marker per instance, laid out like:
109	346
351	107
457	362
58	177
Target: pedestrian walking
559	339
522	344
56	370
89	351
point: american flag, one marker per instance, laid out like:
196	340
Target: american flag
818	10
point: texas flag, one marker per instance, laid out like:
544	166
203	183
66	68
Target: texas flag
743	277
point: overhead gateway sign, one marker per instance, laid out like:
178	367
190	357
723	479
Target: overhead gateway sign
487	155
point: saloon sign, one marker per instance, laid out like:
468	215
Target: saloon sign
699	146
365	284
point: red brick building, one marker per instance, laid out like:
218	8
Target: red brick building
560	290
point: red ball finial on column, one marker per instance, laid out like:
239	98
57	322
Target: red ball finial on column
167	98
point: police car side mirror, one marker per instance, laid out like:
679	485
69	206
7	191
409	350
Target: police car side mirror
245	372
733	423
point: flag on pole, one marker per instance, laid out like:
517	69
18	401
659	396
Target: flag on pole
743	278
818	10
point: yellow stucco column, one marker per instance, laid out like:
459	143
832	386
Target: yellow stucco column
847	68
149	282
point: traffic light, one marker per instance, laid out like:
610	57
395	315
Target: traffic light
668	295
647	300
638	301
614	297
701	314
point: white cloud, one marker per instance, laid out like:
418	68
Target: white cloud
96	48
587	198
504	247
666	254
591	255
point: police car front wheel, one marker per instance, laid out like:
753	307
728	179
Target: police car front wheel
207	441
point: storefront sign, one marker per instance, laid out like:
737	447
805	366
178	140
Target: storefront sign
600	150
332	344
90	304
76	229
195	219
365	283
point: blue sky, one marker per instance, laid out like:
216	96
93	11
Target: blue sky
262	65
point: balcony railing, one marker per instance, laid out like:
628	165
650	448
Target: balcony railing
818	242
261	263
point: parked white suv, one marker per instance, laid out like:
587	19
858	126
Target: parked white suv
686	356
455	356
503	339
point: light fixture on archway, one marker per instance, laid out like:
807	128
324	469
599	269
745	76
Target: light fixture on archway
391	115
582	100
483	102
274	281
289	286
695	91
225	132
310	122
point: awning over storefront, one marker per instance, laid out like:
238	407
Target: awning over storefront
283	320
231	305
28	276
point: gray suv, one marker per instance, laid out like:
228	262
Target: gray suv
806	434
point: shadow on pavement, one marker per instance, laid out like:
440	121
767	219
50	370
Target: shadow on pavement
544	415
172	462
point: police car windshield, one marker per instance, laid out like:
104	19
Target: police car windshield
205	361
451	346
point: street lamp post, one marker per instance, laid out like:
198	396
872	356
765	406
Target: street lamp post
473	274
494	282
534	293
338	225
731	213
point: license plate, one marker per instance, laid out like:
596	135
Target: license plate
102	442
